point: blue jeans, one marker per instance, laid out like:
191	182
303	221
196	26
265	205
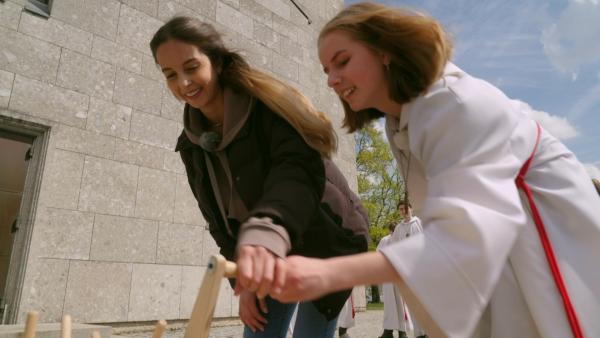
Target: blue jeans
310	323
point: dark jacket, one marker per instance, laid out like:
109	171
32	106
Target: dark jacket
277	175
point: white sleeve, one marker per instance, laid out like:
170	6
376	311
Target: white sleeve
383	242
471	214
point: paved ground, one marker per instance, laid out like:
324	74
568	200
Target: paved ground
368	325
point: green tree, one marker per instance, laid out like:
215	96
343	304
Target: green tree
380	186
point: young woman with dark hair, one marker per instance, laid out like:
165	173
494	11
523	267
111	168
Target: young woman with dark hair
256	153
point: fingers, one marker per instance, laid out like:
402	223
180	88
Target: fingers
280	277
267	273
256	269
245	266
258	264
263	305
249	313
304	279
238	288
287	286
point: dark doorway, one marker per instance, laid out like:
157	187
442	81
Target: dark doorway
14	157
23	146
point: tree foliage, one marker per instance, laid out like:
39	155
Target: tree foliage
380	185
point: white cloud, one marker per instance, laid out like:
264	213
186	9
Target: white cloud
555	125
558	126
594	2
570	42
593	170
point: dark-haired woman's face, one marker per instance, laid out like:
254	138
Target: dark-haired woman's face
190	74
354	71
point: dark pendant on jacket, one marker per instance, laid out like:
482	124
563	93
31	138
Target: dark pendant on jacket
210	140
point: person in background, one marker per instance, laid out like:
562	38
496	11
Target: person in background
346	318
409	226
511	229
257	157
394	315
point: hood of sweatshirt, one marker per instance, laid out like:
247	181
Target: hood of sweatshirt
237	108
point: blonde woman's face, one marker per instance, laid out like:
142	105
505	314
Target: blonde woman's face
189	73
354	71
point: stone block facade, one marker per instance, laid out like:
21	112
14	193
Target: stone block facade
117	235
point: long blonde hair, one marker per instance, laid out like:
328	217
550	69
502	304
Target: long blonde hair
283	99
417	44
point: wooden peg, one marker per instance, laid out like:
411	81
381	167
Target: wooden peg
204	307
31	324
159	328
65	327
230	270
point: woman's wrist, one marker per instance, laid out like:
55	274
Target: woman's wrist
363	269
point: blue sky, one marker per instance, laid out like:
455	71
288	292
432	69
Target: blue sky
544	53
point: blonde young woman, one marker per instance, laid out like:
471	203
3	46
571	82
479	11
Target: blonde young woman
256	153
511	239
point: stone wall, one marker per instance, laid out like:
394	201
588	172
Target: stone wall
117	235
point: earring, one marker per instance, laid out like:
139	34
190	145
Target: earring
387	66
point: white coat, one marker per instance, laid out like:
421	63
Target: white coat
394	316
406	229
402	231
346	317
478	269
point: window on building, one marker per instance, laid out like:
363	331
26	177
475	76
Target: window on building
39	7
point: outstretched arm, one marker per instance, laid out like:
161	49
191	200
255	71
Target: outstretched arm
308	278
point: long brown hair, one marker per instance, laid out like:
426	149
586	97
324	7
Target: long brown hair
283	99
417	45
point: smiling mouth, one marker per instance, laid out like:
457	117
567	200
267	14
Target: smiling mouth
348	92
192	93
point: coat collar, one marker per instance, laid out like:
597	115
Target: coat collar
238	106
397	128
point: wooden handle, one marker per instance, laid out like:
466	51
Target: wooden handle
203	310
31	324
65	327
159	328
230	270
